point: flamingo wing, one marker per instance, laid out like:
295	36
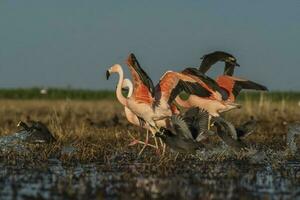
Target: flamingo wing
143	85
173	83
206	81
234	85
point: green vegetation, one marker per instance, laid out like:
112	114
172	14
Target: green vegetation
81	94
55	94
271	96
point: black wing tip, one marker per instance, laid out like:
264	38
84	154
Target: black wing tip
132	55
264	88
214	53
131	59
252	85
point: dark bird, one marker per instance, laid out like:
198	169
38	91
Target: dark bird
227	132
186	131
37	132
246	128
210	59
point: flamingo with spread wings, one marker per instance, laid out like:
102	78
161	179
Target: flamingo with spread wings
224	90
232	85
130	116
215	103
133	119
152	104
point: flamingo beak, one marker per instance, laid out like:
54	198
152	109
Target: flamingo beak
107	74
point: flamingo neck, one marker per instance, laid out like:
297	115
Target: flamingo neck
119	94
130	91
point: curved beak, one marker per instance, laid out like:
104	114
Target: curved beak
107	74
233	63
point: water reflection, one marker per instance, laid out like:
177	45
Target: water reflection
213	181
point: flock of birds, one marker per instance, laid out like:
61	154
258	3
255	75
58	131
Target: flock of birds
183	123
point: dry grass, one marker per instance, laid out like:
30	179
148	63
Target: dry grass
68	120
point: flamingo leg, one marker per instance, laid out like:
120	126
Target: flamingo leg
177	154
161	142
209	122
164	149
136	141
145	145
163	145
156	145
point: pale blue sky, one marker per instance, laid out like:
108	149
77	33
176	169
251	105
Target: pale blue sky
59	43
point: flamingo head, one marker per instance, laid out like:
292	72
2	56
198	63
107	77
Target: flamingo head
113	69
231	60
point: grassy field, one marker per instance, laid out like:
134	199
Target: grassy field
99	132
103	126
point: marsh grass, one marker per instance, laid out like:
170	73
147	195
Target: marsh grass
68	120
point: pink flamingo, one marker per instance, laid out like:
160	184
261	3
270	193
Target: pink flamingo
152	104
133	119
215	103
224	90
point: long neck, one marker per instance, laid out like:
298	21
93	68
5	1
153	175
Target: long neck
229	69
130	90
119	94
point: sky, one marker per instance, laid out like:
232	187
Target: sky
71	43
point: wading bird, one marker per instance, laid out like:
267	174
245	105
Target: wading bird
246	128
149	103
133	119
215	103
224	90
186	131
231	85
227	132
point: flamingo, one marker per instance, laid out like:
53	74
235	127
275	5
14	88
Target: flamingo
133	119
152	104
232	85
224	90
215	103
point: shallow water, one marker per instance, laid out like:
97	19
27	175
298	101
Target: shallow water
126	178
224	180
